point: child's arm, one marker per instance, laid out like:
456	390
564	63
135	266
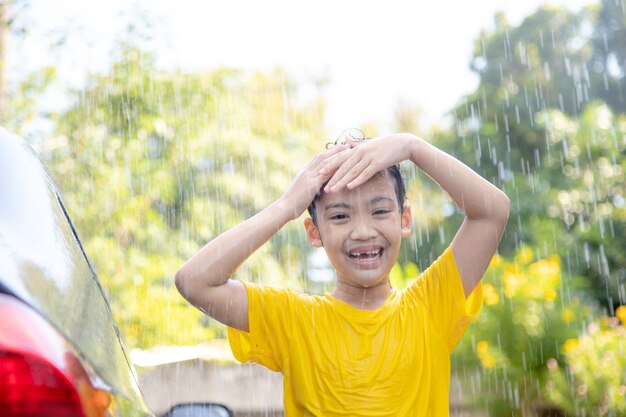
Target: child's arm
204	279
486	207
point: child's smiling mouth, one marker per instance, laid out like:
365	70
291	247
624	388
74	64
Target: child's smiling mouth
366	254
366	257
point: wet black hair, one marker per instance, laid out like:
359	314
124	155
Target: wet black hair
398	185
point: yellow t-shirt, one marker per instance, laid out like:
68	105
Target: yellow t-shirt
338	360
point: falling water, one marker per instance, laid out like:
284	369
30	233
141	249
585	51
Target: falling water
154	163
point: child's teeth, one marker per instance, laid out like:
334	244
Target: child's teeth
364	254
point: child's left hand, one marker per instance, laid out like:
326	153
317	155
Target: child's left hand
364	159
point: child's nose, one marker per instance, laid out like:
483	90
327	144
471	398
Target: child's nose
363	230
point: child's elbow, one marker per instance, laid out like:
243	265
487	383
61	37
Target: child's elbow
503	207
182	282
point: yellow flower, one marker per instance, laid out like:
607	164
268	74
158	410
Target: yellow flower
482	350
495	261
550	294
490	295
482	346
570	345
411	271
546	269
512	282
604	322
525	255
488	361
567	315
620	313
396	277
534	290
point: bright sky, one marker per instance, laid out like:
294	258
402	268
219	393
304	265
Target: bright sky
374	53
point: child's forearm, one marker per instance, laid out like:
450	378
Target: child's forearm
215	263
475	196
204	279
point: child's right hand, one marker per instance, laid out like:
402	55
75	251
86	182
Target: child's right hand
300	194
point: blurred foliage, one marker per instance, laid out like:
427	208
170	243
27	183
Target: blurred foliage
401	276
608	65
23	99
586	195
547	124
538	125
153	165
593	380
523	70
531	307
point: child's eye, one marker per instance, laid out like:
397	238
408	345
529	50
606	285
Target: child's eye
381	211
338	217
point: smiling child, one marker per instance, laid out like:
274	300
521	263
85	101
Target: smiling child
365	348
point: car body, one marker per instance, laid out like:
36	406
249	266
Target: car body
61	353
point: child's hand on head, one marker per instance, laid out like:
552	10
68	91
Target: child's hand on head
309	181
363	159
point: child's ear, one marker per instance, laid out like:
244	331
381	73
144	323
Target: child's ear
312	233
406	220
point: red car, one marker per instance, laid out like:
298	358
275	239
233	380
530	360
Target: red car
61	353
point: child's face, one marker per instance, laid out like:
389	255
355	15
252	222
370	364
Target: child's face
361	230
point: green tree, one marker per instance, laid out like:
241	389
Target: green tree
586	196
533	127
608	64
546	124
153	164
523	70
19	93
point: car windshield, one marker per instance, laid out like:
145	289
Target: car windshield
42	262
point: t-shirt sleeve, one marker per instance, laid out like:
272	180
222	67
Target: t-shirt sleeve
440	289
268	319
